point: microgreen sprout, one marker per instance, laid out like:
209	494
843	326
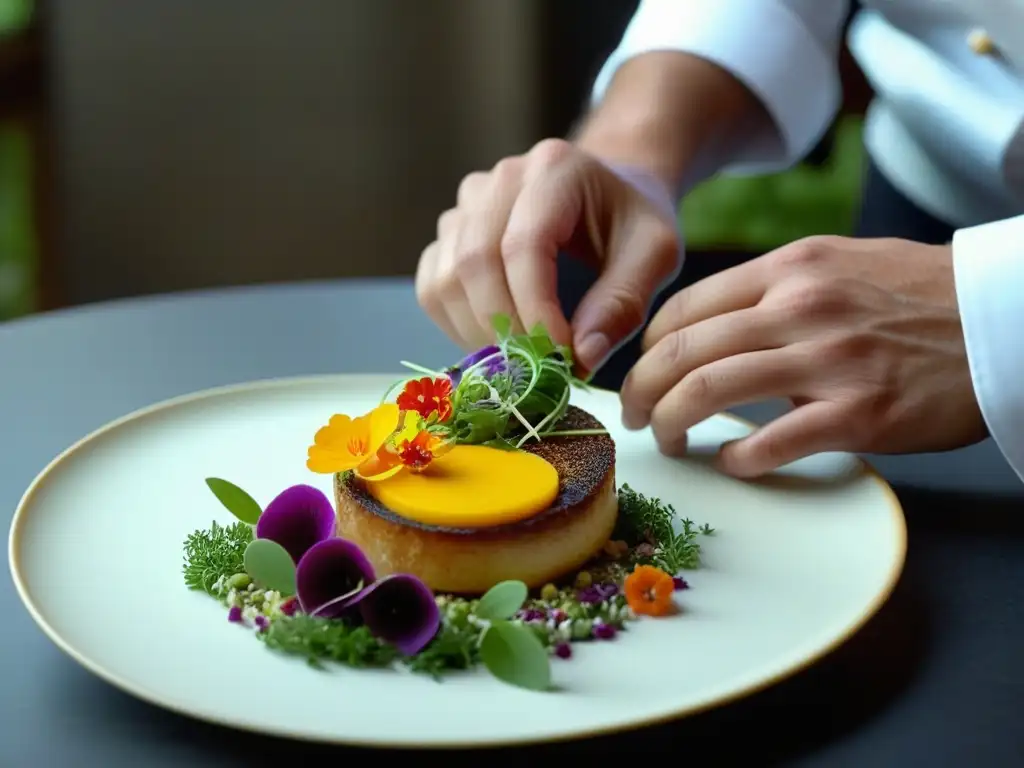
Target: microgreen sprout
511	392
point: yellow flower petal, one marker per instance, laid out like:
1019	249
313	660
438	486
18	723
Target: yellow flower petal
383	421
335	435
345	443
327	462
382	466
409	428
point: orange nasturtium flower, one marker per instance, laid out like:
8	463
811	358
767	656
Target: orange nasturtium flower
418	452
426	396
413	446
649	591
347	443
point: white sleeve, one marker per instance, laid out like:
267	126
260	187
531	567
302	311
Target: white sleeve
785	51
988	264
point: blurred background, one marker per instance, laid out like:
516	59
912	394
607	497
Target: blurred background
149	146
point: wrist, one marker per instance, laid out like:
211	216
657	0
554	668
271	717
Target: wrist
653	187
620	142
670	114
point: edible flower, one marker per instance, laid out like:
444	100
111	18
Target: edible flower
334	579
298	518
418	452
401	610
346	443
597	593
649	591
427	396
493	363
331	576
412	447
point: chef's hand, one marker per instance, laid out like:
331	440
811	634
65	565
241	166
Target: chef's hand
496	251
863	336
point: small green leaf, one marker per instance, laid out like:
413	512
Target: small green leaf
502	326
270	565
502	601
238	502
500	444
515	655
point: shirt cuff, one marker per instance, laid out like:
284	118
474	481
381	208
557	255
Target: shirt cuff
793	72
988	265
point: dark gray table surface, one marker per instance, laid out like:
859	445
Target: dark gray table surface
936	679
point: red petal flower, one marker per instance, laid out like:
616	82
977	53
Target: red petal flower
418	452
426	396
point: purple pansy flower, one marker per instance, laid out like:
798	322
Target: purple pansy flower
299	518
331	577
597	593
493	363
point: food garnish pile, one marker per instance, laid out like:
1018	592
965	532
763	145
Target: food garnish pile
283	573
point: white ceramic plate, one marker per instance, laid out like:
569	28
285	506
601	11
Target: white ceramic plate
796	567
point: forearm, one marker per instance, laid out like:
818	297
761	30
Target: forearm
662	110
696	87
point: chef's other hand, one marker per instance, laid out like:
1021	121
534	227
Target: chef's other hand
862	336
496	252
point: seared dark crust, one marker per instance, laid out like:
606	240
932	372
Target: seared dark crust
584	463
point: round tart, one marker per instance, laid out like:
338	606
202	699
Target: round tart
537	549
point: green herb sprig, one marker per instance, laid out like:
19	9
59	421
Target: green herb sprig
515	391
319	640
511	651
651	521
214	555
456	648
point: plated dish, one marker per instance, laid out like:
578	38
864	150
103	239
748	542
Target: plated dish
199	553
476	521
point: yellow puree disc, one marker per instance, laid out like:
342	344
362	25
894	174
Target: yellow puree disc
472	486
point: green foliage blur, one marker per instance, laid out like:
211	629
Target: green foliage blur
14	15
18	254
759	213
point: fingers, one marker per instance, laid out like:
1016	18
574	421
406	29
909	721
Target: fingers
744	285
813	428
500	254
744	378
727	291
682	352
477	249
427	295
447	286
543	218
460	279
638	262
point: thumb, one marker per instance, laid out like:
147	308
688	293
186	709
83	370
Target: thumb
643	258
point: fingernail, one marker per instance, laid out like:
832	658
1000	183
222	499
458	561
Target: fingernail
593	350
723	463
675	447
632	419
631	422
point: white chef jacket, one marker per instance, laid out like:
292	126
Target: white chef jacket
946	128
